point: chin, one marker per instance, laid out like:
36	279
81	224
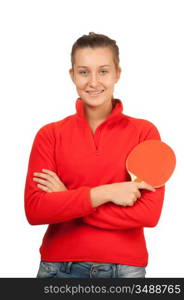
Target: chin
94	101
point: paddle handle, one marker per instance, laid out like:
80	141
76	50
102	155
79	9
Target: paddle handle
134	178
137	180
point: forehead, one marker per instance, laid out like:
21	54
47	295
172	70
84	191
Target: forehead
93	56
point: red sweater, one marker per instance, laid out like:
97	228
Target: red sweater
77	231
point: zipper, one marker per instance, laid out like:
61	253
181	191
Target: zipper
96	138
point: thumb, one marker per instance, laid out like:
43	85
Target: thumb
146	186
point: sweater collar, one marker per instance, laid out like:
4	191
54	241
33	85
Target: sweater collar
115	113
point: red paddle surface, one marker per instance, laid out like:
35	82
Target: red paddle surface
151	161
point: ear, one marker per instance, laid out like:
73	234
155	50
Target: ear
71	74
118	72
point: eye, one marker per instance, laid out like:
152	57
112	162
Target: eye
83	72
103	71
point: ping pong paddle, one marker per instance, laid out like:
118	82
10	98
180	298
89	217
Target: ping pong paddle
151	161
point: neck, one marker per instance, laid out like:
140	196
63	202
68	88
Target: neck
97	114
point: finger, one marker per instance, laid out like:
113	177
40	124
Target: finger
133	198
138	194
42	175
130	204
150	188
52	174
43	182
47	177
44	188
144	185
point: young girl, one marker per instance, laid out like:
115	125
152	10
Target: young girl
77	181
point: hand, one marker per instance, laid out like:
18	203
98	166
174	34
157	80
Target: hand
126	193
50	182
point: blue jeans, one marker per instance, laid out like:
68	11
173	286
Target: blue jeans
82	269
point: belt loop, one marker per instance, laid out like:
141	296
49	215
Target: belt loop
115	270
68	266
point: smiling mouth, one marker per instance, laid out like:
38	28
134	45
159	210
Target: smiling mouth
95	93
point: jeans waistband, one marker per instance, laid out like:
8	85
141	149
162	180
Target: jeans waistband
66	266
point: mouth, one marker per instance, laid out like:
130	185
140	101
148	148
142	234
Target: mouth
94	93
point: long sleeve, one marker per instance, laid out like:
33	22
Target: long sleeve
144	213
49	208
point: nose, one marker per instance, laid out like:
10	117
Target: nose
93	80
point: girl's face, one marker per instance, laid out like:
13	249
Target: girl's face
94	74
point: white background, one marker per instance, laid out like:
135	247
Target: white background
36	39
